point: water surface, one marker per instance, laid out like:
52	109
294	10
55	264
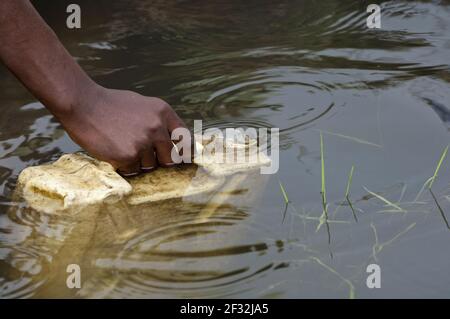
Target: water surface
381	99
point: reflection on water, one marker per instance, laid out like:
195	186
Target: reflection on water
381	98
160	246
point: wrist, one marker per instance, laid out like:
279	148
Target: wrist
75	100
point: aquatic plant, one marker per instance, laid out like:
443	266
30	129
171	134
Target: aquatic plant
436	171
283	191
385	200
347	192
324	216
429	182
378	247
286	200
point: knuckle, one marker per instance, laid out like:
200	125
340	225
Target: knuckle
163	106
127	157
155	128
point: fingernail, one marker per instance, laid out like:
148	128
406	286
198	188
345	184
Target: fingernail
128	174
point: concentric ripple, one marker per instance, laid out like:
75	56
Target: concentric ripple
187	258
28	241
285	97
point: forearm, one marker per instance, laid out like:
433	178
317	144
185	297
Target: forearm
126	129
32	51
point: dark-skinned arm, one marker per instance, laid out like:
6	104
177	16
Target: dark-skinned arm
124	128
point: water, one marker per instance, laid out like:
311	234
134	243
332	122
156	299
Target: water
380	98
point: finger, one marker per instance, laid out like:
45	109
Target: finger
174	121
129	170
148	160
163	152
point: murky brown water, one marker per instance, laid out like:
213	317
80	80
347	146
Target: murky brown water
381	98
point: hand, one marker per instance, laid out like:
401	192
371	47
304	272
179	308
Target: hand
124	128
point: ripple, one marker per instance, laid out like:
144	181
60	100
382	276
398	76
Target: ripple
196	257
18	288
28	241
284	97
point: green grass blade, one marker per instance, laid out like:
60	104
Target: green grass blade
351	207
422	189
349	183
324	217
438	167
388	202
283	191
350	285
322	163
352	138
